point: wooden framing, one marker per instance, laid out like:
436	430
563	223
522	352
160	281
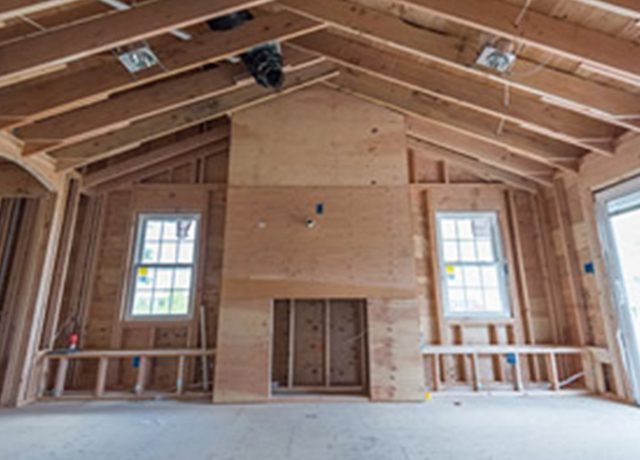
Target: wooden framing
538	30
110	144
389	30
401	68
15	8
533	143
99	77
103	357
90	37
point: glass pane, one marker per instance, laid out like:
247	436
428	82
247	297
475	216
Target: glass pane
490	276
153	230
150	253
485	251
472	277
165	278
168	253
465	229
185	253
493	299
183	278
475	300
448	229
170	232
142	303
456	300
180	302
482	228
161	302
467	251
451	251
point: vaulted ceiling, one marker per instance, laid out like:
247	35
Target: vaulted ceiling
573	91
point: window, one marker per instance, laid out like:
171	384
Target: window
164	265
471	264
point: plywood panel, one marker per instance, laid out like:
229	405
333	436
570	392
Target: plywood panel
360	247
309	355
318	137
395	361
243	353
346	342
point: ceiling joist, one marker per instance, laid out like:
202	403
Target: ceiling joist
561	88
483	151
77	41
157	155
484	128
99	77
620	58
144	130
561	124
16	8
472	165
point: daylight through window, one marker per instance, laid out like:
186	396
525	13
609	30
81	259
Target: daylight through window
471	264
164	265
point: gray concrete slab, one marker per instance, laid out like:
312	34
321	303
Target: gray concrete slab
496	428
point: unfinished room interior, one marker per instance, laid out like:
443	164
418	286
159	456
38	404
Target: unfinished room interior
320	229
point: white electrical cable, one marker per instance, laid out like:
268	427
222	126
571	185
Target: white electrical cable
35	24
523	13
121	6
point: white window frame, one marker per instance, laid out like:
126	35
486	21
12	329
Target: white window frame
136	264
501	262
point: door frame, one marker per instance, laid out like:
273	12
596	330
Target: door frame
626	334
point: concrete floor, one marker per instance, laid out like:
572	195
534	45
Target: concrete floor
465	428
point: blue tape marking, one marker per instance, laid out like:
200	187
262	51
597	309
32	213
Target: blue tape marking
589	268
320	209
135	362
511	358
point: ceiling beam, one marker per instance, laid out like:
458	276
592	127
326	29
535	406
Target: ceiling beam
16	8
629	8
483	127
92	36
126	179
97	78
589	97
483	151
619	57
156	155
125	108
144	130
527	111
472	165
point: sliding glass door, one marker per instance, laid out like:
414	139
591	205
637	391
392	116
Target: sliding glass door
619	210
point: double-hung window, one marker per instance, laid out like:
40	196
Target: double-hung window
472	267
164	266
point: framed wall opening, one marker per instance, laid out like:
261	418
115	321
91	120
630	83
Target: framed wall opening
319	347
619	221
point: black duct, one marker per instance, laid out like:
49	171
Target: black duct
264	62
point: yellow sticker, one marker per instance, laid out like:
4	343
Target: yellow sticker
143	271
451	270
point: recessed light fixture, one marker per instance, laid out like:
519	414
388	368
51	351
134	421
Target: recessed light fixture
138	59
495	58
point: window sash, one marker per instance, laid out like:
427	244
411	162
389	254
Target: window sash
499	263
141	230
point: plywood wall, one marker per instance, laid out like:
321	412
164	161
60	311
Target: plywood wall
99	271
318	137
317	147
359	247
